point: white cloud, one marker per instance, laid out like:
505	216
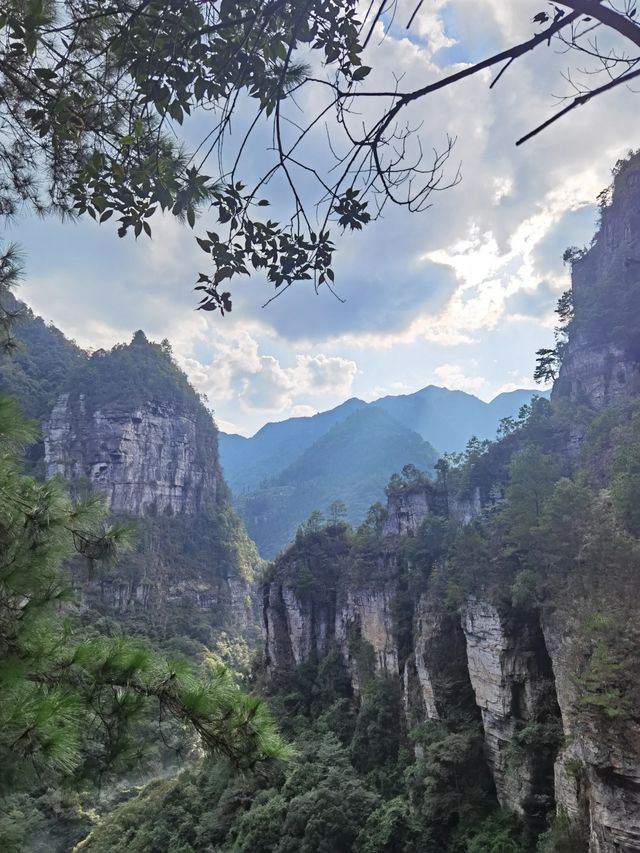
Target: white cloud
452	376
303	412
259	385
475	277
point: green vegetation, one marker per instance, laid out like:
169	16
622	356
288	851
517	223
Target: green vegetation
365	776
133	374
69	699
84	703
351	789
601	316
350	463
41	363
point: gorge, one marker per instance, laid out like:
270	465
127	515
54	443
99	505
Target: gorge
458	673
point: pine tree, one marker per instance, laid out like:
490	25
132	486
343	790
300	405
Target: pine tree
69	699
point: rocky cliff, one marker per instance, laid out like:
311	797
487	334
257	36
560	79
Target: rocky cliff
133	429
597	772
155	458
601	361
517	669
511	674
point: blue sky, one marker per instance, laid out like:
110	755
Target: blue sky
461	295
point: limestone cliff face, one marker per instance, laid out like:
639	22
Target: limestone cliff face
511	675
597	773
155	458
355	617
296	629
133	429
365	616
225	602
518	669
435	676
602	358
406	510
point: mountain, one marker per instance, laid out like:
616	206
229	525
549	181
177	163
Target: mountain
126	423
525	621
448	419
248	461
41	365
460	673
290	468
352	462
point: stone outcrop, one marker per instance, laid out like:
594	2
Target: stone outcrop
134	430
435	677
597	773
226	602
407	509
464	510
511	675
365	616
156	458
356	618
517	671
599	363
295	628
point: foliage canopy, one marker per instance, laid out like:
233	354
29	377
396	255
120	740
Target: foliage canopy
103	106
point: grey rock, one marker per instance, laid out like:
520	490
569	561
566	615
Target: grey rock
156	458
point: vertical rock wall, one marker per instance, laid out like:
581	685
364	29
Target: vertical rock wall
599	365
157	458
598	771
511	674
143	439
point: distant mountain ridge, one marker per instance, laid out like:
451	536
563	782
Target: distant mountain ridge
253	459
292	467
448	419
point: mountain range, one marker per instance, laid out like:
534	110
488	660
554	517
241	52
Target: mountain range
290	468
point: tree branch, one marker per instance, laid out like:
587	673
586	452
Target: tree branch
607	16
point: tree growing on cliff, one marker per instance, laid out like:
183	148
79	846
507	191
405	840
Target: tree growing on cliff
97	101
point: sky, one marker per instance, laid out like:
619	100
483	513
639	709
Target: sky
460	295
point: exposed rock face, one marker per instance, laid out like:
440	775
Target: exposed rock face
406	510
157	458
135	430
518	674
464	510
364	614
511	676
295	628
597	773
597	367
437	668
598	374
356	618
226	601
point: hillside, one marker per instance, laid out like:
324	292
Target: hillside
351	462
290	468
41	366
126	423
249	461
